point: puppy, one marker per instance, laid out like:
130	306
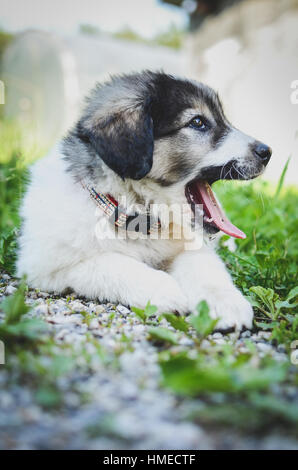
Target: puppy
145	139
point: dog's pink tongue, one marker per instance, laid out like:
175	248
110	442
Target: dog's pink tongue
203	189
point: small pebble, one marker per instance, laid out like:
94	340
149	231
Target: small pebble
246	334
217	335
99	309
41	309
123	310
264	347
264	334
10	290
94	324
220	341
77	306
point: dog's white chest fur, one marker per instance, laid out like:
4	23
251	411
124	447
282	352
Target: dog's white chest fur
63	227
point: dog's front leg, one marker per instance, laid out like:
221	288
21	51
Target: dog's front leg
119	278
202	276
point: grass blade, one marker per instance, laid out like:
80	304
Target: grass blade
282	177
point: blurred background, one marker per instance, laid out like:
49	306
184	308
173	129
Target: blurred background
52	53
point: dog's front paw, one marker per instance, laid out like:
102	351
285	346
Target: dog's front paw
230	307
163	292
168	297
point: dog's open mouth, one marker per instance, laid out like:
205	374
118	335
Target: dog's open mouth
200	192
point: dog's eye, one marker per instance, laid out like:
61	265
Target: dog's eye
198	123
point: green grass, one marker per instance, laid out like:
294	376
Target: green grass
15	155
264	265
268	256
33	357
225	385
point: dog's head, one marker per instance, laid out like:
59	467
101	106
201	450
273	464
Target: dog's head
169	130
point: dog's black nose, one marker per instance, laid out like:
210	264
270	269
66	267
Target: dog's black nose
263	152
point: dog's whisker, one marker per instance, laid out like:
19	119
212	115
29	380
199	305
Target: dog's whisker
241	173
229	170
237	172
221	171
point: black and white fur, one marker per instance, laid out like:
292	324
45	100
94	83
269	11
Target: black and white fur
135	139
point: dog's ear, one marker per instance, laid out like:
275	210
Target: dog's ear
123	139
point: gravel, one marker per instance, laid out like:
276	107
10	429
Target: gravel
126	408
